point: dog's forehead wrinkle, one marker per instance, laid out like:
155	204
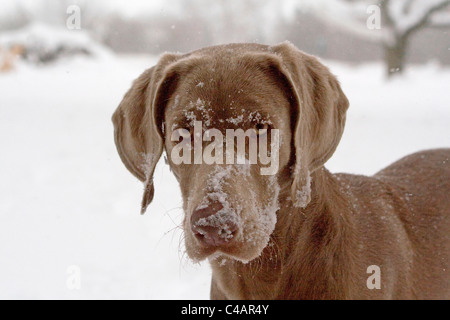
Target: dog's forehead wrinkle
216	116
233	90
227	74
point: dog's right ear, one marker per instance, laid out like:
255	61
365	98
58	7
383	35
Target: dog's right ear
322	108
137	128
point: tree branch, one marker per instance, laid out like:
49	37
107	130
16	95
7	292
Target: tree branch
384	6
400	18
440	19
425	20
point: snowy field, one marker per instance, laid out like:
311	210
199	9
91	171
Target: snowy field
67	200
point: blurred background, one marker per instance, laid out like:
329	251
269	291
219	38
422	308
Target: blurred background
356	31
69	222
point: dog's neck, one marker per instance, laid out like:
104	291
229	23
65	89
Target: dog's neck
315	258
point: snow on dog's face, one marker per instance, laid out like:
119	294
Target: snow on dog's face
238	122
230	202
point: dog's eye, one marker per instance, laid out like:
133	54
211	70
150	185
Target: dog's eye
183	132
261	129
187	132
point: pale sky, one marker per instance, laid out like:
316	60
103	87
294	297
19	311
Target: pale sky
128	7
136	7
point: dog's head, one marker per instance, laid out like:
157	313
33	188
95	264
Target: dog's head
287	114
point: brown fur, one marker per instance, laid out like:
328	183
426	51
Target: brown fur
326	236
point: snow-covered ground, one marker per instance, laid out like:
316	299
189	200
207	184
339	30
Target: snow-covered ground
67	200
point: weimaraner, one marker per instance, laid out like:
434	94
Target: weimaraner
301	232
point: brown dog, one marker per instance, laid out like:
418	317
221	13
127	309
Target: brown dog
301	233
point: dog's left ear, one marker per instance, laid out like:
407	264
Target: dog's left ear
138	125
320	119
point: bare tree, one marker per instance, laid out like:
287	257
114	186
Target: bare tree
399	20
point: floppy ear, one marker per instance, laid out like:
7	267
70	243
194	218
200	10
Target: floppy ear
320	119
138	128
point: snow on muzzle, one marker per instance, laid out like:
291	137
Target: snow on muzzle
214	225
216	221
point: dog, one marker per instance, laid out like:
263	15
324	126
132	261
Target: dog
301	233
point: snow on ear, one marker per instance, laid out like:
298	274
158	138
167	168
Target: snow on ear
137	133
321	111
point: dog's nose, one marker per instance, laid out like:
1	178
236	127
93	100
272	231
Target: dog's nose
213	226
